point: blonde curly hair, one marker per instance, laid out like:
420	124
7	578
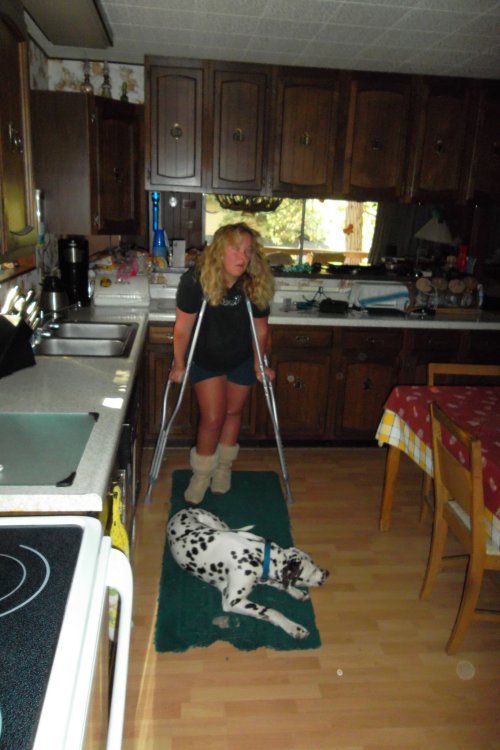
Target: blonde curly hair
257	281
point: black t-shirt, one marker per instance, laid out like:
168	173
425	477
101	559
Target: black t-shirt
225	338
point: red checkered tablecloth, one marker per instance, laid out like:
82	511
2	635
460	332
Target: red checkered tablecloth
406	425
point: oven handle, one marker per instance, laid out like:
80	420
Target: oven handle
119	577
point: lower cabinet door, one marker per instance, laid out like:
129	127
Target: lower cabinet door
366	386
301	389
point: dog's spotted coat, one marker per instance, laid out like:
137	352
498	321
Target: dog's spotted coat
232	561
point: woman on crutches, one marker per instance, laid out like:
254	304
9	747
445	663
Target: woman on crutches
224	364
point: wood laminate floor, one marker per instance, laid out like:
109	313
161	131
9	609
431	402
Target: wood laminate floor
381	679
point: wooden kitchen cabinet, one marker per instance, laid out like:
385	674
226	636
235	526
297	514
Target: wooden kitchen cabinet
485	177
158	357
422	347
176	121
441	141
376	136
305	121
240	98
88	159
17	218
370	364
301	358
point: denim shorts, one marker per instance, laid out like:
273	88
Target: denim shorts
243	374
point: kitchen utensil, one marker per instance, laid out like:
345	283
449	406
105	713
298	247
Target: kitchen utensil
53	297
10	299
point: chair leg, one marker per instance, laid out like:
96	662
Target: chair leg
425	497
391	474
434	563
468	604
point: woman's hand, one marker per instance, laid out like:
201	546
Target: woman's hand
269	373
176	374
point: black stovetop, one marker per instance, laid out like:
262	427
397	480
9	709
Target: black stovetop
36	570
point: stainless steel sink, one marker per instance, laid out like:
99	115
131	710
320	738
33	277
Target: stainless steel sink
87	339
91	330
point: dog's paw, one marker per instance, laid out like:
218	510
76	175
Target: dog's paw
300	633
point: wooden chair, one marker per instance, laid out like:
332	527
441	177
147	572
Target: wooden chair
437	369
459	506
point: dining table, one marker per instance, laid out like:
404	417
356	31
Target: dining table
405	427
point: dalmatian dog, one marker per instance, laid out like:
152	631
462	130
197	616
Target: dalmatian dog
235	561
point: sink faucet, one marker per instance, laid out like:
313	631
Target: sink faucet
53	315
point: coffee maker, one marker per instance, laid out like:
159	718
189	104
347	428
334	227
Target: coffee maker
74	268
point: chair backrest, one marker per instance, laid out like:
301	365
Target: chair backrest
459	481
464	370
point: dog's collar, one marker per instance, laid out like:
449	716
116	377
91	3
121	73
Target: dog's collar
266	562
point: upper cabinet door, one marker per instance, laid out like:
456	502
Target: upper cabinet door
376	136
87	160
240	102
174	157
117	191
16	181
440	153
305	125
486	164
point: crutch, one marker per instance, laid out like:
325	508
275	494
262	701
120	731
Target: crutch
271	403
165	426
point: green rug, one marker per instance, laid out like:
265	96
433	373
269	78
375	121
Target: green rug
190	612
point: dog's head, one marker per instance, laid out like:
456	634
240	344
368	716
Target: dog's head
300	570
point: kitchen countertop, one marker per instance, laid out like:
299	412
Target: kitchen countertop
104	385
76	384
163	311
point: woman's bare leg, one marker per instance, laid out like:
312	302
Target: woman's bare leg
235	401
211	397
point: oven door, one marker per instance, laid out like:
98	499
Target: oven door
96	714
55	575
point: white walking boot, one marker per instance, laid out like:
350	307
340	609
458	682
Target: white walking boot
203	467
221	479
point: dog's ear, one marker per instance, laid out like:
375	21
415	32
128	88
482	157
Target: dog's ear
291	572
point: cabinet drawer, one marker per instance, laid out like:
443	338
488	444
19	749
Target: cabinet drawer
161	334
437	346
302	337
372	339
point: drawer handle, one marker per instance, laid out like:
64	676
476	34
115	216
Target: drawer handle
176	131
305	139
377	144
300	339
439	146
238	135
169	338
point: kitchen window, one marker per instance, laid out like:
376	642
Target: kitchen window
305	230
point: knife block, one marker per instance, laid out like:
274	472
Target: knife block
15	346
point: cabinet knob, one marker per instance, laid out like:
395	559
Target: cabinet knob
295	382
238	135
305	139
15	140
377	144
439	147
176	131
301	339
